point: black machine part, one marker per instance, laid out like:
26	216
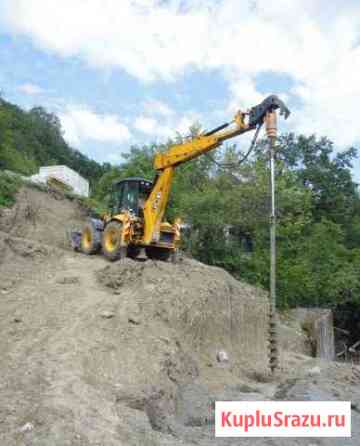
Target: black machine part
271	103
258	112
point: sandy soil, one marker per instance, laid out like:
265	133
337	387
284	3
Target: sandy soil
94	353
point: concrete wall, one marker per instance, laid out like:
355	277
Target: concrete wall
318	322
324	335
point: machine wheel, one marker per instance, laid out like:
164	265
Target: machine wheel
133	251
158	253
111	241
90	239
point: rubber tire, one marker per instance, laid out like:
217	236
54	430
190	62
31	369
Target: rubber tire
158	253
133	251
90	239
119	251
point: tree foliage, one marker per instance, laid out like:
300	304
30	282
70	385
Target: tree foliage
34	138
9	185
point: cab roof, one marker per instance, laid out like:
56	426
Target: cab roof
135	179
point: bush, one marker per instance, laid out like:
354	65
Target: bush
9	185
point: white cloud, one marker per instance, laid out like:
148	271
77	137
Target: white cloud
155	128
161	122
165	127
146	125
30	89
312	42
80	124
158	108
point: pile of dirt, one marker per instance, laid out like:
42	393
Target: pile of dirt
45	217
202	306
94	353
134	352
19	258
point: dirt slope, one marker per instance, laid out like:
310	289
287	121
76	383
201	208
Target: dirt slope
94	353
89	346
44	217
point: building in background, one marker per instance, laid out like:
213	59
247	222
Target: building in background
62	176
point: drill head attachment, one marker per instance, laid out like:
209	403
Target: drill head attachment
258	113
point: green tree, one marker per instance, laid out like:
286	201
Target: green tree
32	139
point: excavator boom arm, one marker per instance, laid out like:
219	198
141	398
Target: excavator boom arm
177	154
180	153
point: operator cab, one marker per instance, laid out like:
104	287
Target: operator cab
130	194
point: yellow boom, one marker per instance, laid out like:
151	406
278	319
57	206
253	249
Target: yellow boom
177	154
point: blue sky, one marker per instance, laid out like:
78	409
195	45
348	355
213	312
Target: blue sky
137	71
33	77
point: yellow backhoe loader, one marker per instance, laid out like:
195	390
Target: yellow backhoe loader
137	205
